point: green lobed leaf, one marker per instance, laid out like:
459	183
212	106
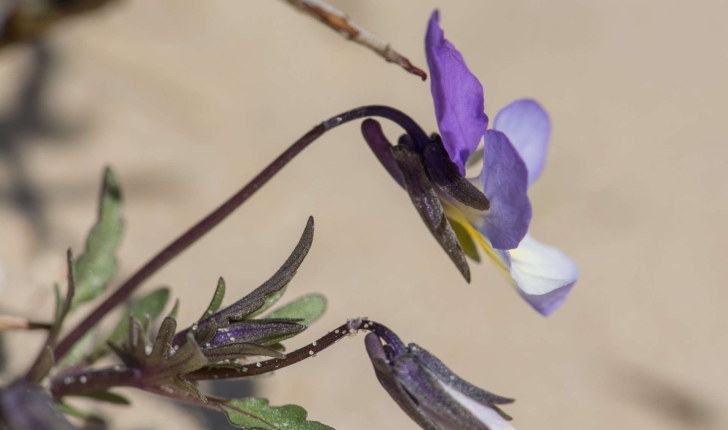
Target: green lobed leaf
97	265
152	304
309	308
216	299
256	413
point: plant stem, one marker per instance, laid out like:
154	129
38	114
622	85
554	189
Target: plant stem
213	219
90	381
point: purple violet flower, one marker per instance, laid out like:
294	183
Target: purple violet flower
513	158
431	394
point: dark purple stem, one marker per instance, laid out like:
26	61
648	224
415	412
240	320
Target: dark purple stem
213	219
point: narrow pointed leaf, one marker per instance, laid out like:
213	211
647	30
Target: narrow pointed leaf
257	299
216	299
256	413
107	397
428	205
163	342
308	308
238	350
98	265
175	310
75	412
446	175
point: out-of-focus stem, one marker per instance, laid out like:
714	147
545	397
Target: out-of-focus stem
213	219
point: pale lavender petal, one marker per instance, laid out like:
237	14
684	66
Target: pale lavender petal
505	183
458	96
544	274
528	127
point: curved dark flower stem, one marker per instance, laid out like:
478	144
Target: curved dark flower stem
209	222
121	376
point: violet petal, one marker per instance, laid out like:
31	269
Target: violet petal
505	182
457	94
528	127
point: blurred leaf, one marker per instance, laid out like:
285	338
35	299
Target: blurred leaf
79	350
98	265
108	397
309	308
216	299
75	412
152	304
257	413
175	310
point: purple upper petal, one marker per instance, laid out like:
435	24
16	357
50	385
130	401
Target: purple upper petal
505	182
457	94
528	128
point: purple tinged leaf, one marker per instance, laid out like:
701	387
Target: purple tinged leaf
428	205
505	182
238	350
528	128
255	300
457	94
264	332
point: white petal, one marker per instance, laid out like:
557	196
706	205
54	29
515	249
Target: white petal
483	413
543	274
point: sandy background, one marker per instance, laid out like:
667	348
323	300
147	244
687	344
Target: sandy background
189	99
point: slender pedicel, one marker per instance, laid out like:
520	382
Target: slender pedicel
213	219
122	376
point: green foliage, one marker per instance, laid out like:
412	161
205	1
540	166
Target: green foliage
256	413
75	412
152	304
309	308
108	397
80	350
270	300
216	299
98	265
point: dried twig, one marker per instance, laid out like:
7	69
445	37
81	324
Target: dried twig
8	322
340	22
24	20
